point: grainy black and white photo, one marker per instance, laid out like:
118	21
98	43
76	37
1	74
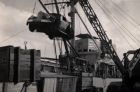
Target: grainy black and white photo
69	46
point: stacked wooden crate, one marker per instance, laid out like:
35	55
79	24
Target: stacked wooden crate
19	65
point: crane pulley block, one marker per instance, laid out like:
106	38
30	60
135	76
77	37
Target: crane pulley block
54	26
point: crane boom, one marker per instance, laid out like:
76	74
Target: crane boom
135	60
93	19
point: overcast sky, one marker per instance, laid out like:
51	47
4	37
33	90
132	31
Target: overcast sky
125	13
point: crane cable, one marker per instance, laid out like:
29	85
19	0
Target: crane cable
55	51
79	24
34	8
129	33
108	15
59	43
121	12
127	20
118	23
12	36
88	30
56	40
58	12
125	13
121	25
57	7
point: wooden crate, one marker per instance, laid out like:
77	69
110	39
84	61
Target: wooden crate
18	65
6	63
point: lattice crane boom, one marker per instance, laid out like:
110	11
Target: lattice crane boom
93	19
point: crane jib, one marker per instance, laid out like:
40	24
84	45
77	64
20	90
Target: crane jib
93	19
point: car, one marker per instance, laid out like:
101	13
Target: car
53	25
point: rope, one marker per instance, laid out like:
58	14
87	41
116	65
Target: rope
34	7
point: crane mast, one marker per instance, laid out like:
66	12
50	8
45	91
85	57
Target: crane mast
93	19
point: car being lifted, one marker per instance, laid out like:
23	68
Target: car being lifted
53	24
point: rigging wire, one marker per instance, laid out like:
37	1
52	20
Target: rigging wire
64	11
59	42
57	7
57	39
55	51
122	15
88	31
63	8
31	44
125	12
44	7
34	7
121	26
79	24
112	20
118	23
72	48
52	6
58	12
129	33
45	50
12	36
120	12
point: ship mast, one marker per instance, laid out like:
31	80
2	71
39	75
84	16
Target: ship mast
72	15
72	20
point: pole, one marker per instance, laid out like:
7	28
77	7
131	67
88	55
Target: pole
73	21
67	54
79	80
4	87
